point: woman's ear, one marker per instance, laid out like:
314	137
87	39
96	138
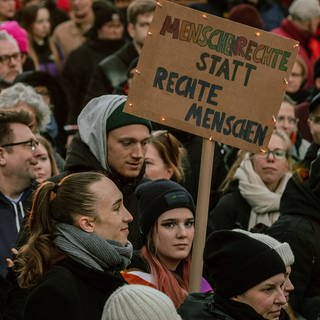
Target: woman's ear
235	298
169	172
85	223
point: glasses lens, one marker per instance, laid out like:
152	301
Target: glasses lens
7	58
34	144
279	154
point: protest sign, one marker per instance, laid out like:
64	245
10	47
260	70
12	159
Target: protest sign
211	76
214	78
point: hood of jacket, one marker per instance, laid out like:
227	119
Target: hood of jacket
92	123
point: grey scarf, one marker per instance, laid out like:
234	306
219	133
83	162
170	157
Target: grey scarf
90	250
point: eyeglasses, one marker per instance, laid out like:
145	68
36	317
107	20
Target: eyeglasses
276	153
315	119
282	119
5	59
29	143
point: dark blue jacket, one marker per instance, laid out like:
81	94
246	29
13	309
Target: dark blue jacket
11	216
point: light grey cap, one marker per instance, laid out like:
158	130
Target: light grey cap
283	249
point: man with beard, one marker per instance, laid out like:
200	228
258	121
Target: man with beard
11	60
113	70
18	159
69	35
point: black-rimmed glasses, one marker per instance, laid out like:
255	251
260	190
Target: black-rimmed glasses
30	143
4	59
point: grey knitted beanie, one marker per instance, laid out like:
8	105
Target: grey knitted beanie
138	302
283	249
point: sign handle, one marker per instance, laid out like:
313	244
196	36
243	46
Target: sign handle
201	214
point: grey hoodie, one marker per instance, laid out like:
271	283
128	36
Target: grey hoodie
92	123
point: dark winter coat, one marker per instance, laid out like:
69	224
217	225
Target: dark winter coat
111	72
79	69
208	306
299	225
11	217
71	291
232	211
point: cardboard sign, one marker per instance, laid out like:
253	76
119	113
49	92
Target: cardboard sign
211	76
125	3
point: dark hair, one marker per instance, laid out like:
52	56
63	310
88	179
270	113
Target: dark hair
29	15
137	7
52	204
8	117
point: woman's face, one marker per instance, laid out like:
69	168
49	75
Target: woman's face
173	236
155	166
41	26
296	78
268	167
267	298
112	222
43	168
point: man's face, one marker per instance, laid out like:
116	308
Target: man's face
127	149
19	161
10	61
81	8
139	31
7	9
314	124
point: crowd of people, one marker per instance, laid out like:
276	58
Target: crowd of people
98	206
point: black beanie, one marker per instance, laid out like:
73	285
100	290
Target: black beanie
158	196
235	262
104	11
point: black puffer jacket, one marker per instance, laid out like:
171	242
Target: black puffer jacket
232	211
111	72
299	225
76	74
71	291
209	306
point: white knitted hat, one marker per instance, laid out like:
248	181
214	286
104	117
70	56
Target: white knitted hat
283	249
138	302
304	10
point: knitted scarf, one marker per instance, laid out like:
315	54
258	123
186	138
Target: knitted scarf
264	203
90	250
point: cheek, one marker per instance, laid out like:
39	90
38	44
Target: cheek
161	238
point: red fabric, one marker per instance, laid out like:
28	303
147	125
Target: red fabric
314	46
134	279
302	113
64	5
289	30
